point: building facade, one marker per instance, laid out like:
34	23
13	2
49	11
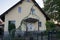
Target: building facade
26	15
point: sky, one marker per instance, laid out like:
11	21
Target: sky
6	4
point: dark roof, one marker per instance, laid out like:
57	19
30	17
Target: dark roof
36	4
33	20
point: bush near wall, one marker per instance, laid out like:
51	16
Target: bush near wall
50	26
11	28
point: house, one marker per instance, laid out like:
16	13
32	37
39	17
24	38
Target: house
26	15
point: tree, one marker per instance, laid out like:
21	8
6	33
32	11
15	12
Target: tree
52	9
50	26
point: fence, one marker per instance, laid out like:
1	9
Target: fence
52	35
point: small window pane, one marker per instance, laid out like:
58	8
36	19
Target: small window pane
28	0
39	24
19	9
30	27
11	25
33	11
11	22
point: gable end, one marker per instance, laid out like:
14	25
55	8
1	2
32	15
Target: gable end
20	2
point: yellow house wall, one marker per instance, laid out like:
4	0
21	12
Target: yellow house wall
16	16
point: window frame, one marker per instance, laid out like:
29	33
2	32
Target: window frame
39	24
11	22
19	9
30	27
33	10
28	0
11	26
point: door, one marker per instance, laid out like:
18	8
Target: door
30	27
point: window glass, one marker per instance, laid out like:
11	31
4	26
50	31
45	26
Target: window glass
33	10
30	27
11	25
11	22
19	9
28	0
39	24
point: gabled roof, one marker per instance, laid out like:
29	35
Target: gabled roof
36	4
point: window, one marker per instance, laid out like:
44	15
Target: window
39	24
33	10
11	22
11	25
30	27
19	9
28	0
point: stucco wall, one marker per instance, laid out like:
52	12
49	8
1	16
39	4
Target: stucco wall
16	16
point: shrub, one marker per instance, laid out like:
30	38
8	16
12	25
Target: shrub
50	26
11	28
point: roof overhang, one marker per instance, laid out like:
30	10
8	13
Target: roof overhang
31	20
